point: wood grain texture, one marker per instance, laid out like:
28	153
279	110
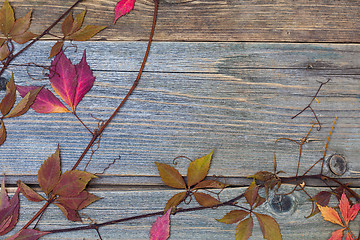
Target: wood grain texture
202	225
236	98
209	20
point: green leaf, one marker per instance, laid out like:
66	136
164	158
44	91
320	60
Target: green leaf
25	103
269	227
9	100
198	169
85	33
206	200
175	200
170	176
233	216
49	172
244	229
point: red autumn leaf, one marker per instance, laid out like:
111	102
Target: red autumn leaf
69	213
85	79
198	169
160	229
244	229
337	235
9	210
348	236
78	202
206	200
9	100
49	172
29	193
233	216
45	101
72	182
251	193
27	234
123	7
329	214
70	82
170	176
175	200
348	213
63	78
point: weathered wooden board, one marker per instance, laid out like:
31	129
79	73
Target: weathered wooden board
201	225
237	98
209	20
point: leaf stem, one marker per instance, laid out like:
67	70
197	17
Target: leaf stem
82	122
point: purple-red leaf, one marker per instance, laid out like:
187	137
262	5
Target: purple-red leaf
175	200
322	198
123	7
69	213
45	101
72	182
85	79
9	100
63	78
29	193
27	234
170	176
49	172
198	169
78	202
160	229
9	210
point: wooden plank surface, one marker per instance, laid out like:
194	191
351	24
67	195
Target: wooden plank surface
202	225
235	98
210	20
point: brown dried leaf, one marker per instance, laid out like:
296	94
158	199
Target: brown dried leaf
56	48
259	201
67	24
25	103
170	176
9	100
210	184
78	202
4	52
244	229
24	37
70	214
233	216
175	200
322	198
49	172
198	169
2	133
72	182
29	193
269	227
21	25
251	193
78	21
85	33
7	18
206	200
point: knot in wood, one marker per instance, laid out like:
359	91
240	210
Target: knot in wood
337	164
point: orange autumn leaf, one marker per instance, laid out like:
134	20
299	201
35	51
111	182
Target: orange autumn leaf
329	214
